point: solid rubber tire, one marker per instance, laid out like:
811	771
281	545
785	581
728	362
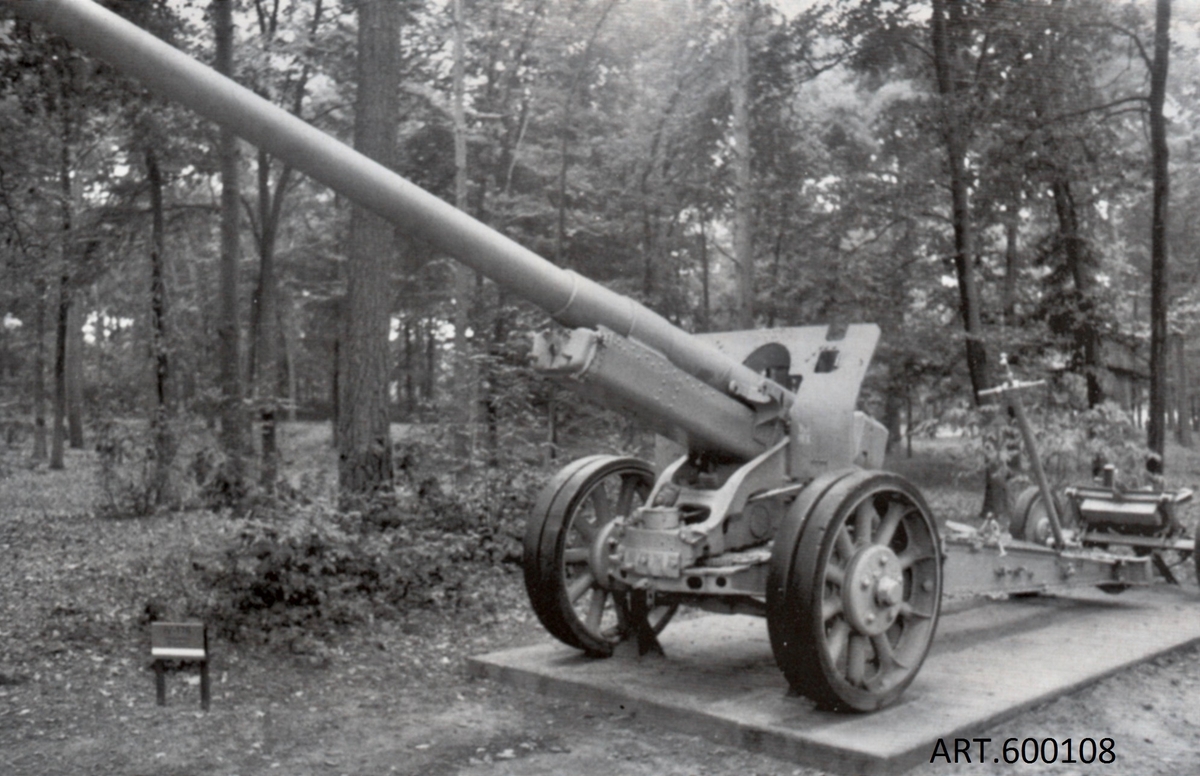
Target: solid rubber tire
792	616
545	537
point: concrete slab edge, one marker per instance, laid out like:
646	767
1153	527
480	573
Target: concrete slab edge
720	730
779	744
918	754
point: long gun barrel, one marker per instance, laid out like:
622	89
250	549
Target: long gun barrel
566	296
775	510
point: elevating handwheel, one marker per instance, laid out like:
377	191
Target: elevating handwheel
566	596
854	589
1031	521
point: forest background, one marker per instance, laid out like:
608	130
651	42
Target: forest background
977	178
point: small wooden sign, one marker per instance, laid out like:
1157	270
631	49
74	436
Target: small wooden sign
178	641
184	641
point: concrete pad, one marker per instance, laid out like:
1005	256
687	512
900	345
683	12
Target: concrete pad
988	663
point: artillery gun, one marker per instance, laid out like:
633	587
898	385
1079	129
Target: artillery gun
777	505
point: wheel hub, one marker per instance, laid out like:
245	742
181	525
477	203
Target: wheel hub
602	555
875	590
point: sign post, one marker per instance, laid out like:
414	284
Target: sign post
186	642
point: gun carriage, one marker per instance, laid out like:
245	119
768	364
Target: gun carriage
1101	514
776	505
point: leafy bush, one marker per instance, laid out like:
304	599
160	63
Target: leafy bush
294	566
490	509
126	472
130	484
1071	445
211	473
1074	445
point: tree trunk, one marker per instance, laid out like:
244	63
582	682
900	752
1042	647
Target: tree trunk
948	47
58	431
1155	431
465	374
1084	333
743	238
491	407
39	374
265	374
288	339
335	380
406	366
232	417
164	448
1008	289
75	377
429	378
955	134
1183	397
267	336
565	133
364	438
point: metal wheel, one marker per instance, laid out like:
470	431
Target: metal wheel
1020	510
569	513
854	590
1015	487
1031	521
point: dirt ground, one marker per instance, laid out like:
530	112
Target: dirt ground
397	699
392	697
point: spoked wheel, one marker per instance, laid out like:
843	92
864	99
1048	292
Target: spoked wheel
854	589
571	510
